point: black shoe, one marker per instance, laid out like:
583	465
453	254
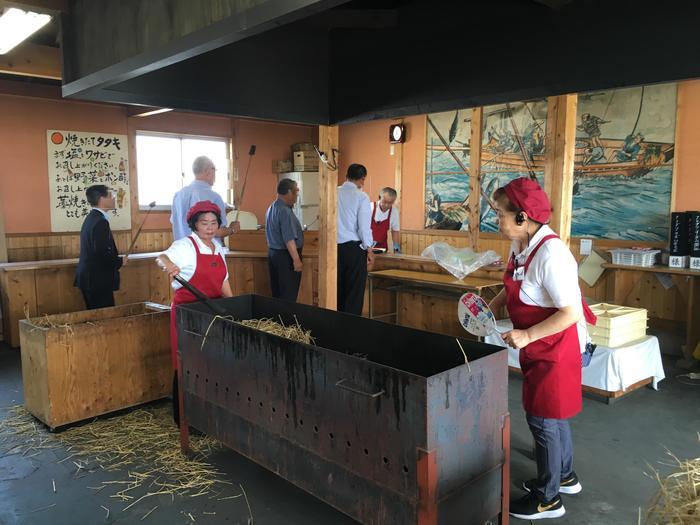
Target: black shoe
529	507
571	485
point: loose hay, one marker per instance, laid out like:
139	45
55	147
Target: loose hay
678	500
293	331
145	442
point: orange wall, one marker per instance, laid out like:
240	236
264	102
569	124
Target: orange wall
687	190
24	191
24	185
367	143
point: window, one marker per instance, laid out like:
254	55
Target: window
164	165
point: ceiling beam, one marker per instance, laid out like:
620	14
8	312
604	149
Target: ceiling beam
38	6
32	60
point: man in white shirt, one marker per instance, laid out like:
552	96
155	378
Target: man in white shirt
200	189
355	240
385	219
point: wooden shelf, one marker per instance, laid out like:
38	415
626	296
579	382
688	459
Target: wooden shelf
653	269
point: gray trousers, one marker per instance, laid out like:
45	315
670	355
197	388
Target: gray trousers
554	451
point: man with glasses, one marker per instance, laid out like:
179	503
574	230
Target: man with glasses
200	189
285	241
97	274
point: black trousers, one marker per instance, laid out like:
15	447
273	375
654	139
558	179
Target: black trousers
352	276
176	400
284	281
98	298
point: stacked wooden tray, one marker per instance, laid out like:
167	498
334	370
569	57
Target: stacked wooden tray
617	325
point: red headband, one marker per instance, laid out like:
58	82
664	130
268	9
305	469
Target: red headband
527	195
203	207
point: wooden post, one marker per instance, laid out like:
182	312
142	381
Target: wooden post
3	239
559	161
475	176
328	222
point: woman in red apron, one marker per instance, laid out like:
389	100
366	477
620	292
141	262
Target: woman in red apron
199	259
544	302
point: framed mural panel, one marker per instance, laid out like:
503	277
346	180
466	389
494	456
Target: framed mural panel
446	184
513	146
623	169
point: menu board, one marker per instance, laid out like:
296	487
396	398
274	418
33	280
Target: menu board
78	160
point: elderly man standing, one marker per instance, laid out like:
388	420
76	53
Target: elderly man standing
285	241
385	218
200	189
354	240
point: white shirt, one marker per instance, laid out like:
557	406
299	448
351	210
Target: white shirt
184	256
354	215
551	280
380	216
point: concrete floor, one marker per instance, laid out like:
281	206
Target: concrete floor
613	444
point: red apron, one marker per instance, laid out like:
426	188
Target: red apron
380	230
209	275
551	366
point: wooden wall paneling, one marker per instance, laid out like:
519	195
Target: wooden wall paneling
261	277
241	276
20	288
328	227
160	290
475	176
135	286
55	292
306	287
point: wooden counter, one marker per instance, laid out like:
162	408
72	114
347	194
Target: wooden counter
426	300
36	288
638	286
46	287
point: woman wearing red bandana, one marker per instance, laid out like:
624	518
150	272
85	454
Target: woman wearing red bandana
198	259
544	301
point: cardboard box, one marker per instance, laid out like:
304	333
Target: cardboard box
305	161
303	146
281	166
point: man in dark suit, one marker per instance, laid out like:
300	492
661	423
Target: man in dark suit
97	274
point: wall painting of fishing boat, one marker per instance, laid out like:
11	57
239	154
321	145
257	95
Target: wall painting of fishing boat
513	146
446	183
623	167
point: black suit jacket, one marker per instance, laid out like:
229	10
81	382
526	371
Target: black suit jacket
99	263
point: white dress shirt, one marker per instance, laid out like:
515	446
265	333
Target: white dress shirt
354	215
184	256
380	216
551	280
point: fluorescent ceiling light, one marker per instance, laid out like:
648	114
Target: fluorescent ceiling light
16	25
152	112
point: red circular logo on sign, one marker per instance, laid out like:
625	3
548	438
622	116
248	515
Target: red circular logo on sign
56	137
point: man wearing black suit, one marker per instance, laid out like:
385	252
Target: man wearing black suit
97	274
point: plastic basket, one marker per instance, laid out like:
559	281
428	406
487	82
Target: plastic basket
634	257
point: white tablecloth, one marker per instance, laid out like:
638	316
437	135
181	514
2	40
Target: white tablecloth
611	369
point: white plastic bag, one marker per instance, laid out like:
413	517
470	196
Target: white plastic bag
459	262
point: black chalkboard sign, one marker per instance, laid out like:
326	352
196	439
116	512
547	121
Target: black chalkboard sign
694	220
680	238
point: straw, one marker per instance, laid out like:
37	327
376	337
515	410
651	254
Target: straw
144	442
677	501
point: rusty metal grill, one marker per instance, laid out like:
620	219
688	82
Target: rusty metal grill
383	422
